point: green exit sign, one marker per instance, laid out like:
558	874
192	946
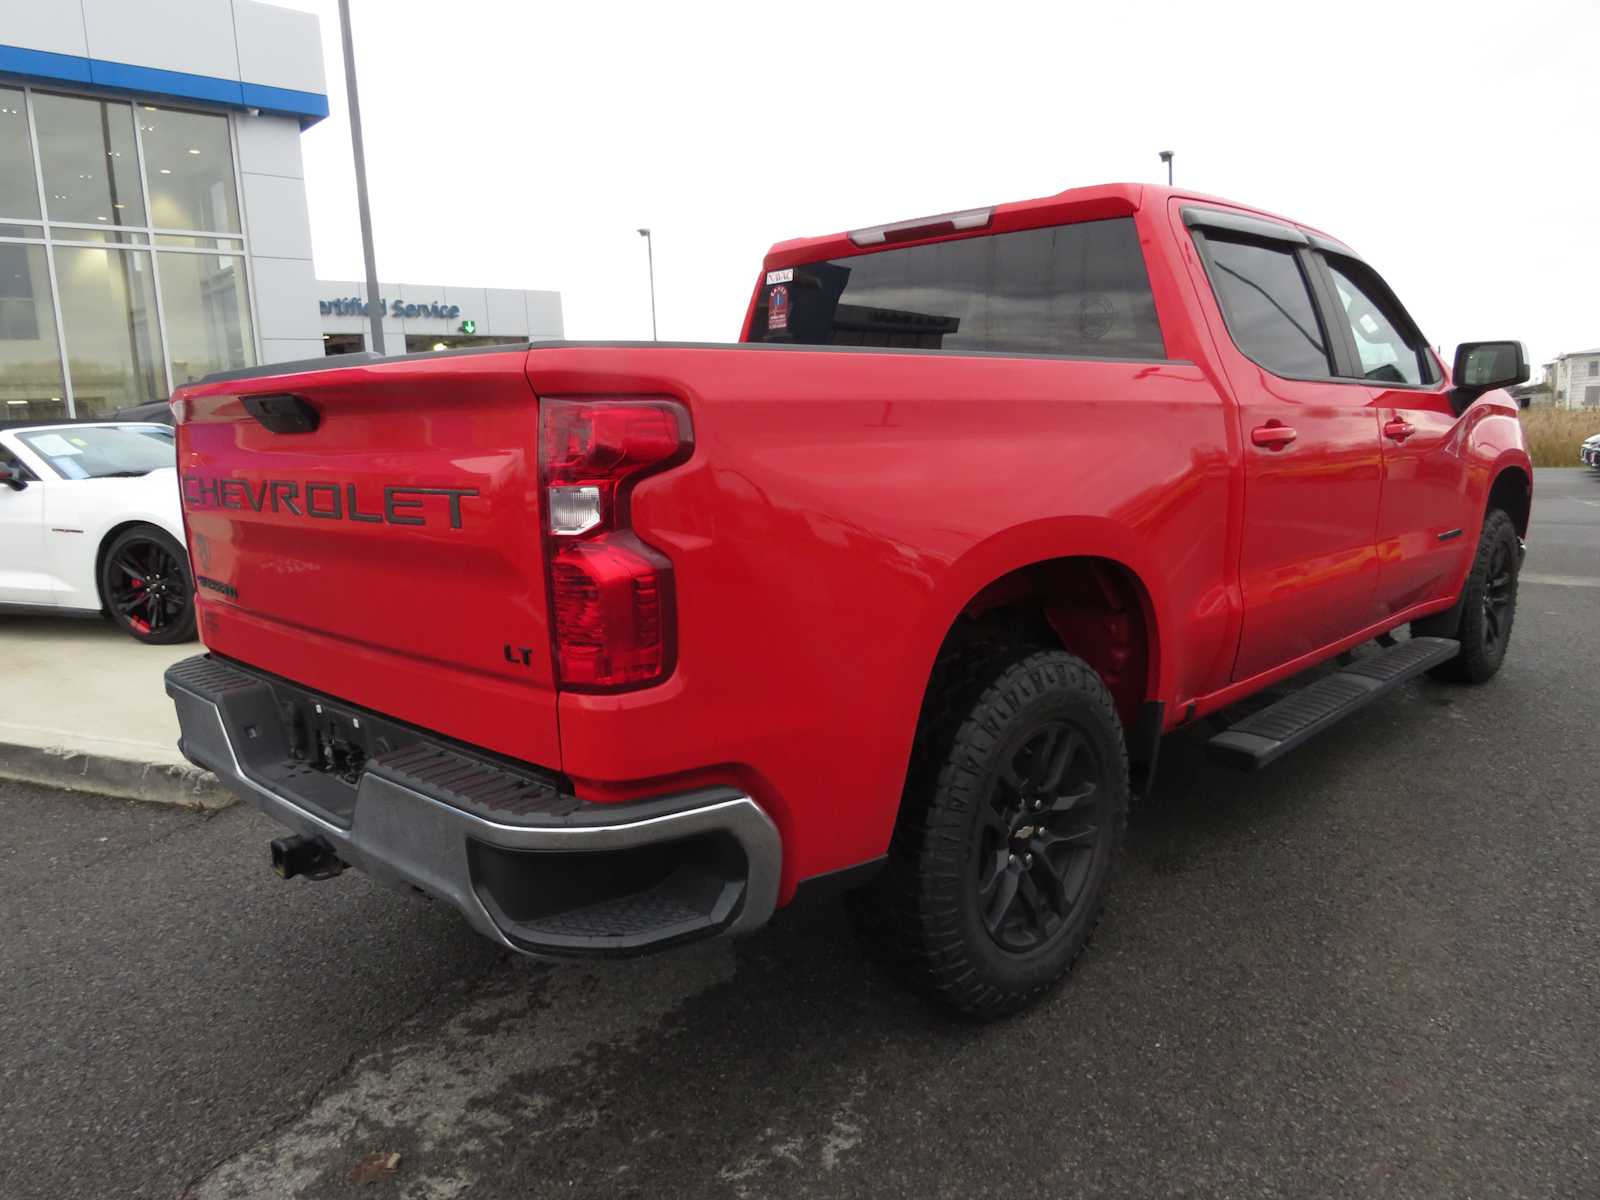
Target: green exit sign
469	326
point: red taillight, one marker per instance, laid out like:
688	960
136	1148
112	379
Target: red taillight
610	594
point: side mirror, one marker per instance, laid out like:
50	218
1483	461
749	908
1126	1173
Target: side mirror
1483	366
13	478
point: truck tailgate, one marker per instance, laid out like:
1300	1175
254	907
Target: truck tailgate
373	532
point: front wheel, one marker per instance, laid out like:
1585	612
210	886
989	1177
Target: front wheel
1488	606
146	586
997	872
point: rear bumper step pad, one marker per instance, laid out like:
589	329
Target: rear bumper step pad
1277	729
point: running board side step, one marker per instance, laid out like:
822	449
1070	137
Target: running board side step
1267	735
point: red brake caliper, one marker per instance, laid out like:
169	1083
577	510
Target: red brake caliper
138	623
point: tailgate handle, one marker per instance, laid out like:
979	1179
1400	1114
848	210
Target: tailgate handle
283	413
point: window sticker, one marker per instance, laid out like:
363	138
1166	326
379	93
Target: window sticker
53	445
778	307
784	276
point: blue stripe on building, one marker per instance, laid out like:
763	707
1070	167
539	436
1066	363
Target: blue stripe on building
152	82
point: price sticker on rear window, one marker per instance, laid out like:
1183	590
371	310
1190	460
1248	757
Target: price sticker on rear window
778	307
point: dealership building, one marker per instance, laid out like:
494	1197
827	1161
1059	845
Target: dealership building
153	222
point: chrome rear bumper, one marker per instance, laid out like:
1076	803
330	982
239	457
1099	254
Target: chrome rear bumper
529	866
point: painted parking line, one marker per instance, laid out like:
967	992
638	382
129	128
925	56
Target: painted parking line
1583	581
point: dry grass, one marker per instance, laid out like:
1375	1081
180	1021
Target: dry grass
1554	434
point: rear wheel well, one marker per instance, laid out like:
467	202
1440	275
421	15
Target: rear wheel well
1091	607
1512	492
1094	608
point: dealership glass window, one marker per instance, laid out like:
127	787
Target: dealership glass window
30	357
185	241
90	160
108	309
189	166
105	237
207	310
120	346
19	190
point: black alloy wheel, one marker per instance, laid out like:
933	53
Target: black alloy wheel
146	587
1009	831
1038	834
1499	598
1487	609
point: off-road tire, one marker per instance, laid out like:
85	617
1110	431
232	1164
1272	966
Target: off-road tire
1488	607
923	914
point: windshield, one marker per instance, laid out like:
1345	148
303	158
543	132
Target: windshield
103	451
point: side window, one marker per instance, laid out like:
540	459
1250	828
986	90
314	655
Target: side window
1387	345
1267	303
8	459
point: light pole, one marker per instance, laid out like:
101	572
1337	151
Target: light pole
374	307
1166	157
650	250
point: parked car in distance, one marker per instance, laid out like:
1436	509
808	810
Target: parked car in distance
157	413
90	523
618	646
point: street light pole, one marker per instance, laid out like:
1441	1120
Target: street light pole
649	249
374	305
1166	157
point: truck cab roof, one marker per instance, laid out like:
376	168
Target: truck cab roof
1093	203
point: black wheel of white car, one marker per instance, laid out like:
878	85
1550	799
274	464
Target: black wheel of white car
146	586
997	872
1488	606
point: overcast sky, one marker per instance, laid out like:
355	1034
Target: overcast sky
519	145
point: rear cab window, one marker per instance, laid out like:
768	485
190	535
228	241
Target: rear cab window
1078	290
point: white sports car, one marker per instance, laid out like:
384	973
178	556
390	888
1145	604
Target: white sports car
90	522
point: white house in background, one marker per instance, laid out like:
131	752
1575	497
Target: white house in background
1574	379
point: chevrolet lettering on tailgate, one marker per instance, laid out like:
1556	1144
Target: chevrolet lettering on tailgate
326	501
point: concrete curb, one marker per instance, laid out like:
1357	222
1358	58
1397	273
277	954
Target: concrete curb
160	783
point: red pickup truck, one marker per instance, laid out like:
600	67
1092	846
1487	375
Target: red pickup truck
615	646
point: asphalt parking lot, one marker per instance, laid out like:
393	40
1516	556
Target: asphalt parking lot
1371	970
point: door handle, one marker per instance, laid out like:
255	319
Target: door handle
1274	435
1398	430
